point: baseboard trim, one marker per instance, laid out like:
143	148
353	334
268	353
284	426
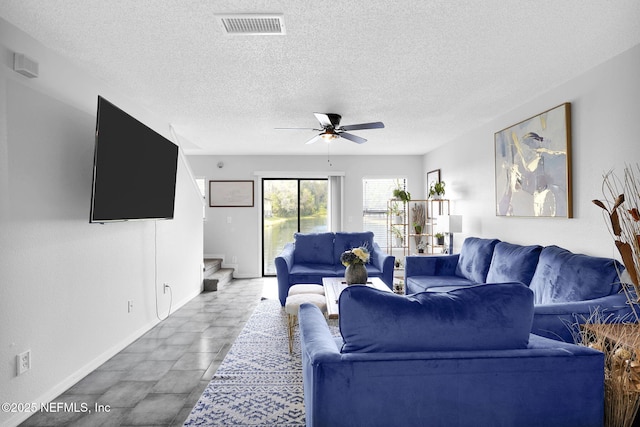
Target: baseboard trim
85	370
246	276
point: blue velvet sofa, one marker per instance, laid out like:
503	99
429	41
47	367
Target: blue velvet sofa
459	358
313	256
567	287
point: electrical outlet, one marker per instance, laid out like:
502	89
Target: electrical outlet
23	362
129	306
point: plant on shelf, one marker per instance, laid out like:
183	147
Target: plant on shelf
440	238
396	212
436	190
398	236
401	194
421	246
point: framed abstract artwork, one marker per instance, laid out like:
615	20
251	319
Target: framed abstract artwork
233	194
533	166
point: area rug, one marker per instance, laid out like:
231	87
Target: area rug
258	383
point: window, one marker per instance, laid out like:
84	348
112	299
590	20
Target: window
290	206
375	193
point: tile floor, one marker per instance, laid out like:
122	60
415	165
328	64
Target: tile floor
158	379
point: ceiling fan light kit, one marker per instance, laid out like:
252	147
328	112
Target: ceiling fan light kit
331	128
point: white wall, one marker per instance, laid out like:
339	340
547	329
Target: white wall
605	112
65	283
242	237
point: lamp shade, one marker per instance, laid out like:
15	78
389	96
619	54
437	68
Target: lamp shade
449	223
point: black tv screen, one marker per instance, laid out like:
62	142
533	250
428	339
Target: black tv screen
134	169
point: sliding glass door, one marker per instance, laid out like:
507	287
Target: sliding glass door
290	206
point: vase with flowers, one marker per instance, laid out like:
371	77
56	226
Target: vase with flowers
355	260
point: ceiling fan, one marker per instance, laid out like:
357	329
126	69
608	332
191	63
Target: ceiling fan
331	128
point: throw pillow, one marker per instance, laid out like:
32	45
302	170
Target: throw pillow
513	263
562	276
475	259
346	241
313	248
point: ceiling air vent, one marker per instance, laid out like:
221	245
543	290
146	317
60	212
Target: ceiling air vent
252	24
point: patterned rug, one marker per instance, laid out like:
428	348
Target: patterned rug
258	383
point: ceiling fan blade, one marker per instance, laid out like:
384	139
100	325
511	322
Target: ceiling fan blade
328	119
372	125
352	137
298	129
323	119
314	139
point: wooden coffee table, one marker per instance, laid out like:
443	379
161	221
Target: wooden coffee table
333	286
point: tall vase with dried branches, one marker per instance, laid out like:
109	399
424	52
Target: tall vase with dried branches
621	203
419	220
622	370
622	364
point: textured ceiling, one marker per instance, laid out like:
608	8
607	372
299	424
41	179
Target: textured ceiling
430	70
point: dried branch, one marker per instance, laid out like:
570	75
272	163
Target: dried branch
622	199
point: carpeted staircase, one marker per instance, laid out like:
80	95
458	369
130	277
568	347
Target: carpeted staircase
215	277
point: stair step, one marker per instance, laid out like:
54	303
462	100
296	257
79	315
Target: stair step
216	280
211	265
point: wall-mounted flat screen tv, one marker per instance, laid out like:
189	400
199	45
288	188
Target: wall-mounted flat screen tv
134	169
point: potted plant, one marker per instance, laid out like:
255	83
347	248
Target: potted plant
421	246
402	195
436	190
396	213
440	238
398	237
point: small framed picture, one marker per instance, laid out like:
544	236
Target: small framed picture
231	194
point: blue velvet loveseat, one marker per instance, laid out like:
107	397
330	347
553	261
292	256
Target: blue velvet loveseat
450	359
313	256
568	288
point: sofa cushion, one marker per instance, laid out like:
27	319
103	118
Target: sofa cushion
562	276
513	263
346	241
475	258
417	284
480	317
313	248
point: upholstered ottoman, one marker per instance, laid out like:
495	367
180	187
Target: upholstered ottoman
306	289
298	295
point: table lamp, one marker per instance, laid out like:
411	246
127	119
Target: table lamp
449	224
